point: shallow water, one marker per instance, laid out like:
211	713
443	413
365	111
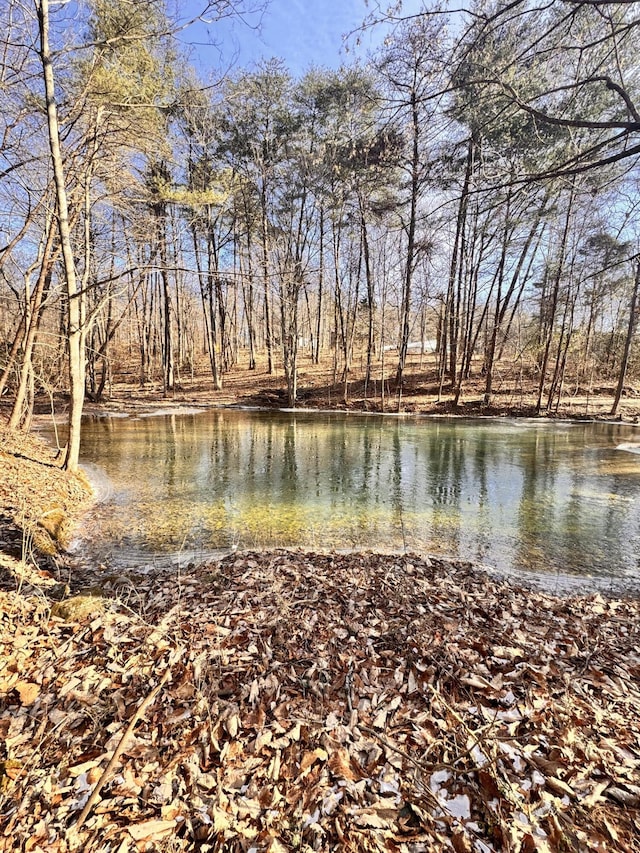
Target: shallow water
517	495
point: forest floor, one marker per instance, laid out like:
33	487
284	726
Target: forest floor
287	700
515	392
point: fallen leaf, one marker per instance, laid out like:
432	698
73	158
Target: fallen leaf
151	830
340	765
27	691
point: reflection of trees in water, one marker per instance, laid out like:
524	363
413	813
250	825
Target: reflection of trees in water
568	519
535	522
482	491
484	517
444	472
396	486
290	466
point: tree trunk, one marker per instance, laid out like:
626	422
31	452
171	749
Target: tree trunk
554	300
455	274
316	355
33	312
370	293
411	234
627	343
265	275
75	331
247	292
13	353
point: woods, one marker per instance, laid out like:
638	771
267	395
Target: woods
468	193
449	225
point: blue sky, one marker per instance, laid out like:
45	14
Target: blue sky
301	32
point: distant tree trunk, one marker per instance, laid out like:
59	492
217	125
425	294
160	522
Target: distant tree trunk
159	177
516	302
370	293
491	349
351	326
208	304
289	323
564	341
341	334
411	235
21	416
503	302
168	373
225	343
13	354
110	328
469	330
247	293
174	251
98	350
265	274
455	274
586	353
633	310
4	257
316	355
554	299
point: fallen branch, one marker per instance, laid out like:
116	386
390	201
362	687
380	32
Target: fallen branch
142	707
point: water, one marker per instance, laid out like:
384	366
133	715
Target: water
558	498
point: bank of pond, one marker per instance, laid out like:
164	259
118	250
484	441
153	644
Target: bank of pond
558	499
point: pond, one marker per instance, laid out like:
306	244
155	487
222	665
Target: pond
520	495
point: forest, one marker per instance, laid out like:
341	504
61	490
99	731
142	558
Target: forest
411	634
462	205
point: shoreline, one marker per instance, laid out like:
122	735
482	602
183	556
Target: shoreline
181	409
187	401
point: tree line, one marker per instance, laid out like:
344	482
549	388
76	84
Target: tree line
469	191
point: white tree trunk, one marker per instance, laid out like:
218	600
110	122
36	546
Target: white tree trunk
75	332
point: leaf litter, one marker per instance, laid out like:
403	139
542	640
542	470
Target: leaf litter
283	700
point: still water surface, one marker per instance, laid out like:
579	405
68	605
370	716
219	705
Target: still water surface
517	495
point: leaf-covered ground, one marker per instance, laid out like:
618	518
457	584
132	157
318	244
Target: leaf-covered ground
38	501
297	701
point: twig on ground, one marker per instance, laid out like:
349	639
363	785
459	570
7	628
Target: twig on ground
142	707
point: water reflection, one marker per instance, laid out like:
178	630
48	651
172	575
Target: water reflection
507	493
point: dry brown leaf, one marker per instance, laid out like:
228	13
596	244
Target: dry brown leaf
462	843
508	652
476	681
380	719
613	832
622	796
340	765
79	769
559	787
221	820
596	795
372	819
27	691
309	758
151	830
232	724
